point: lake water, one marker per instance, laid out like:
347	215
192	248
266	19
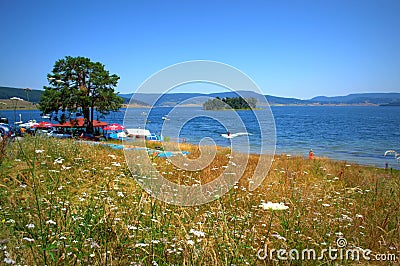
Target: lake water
354	134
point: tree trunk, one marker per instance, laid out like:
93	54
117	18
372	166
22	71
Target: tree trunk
89	128
86	113
86	116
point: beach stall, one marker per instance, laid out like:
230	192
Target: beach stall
79	125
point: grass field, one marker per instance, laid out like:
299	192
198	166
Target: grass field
65	203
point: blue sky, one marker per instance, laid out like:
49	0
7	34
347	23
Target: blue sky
289	48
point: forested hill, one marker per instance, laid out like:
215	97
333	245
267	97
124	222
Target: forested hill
357	98
7	93
34	95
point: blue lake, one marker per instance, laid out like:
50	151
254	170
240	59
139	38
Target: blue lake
354	134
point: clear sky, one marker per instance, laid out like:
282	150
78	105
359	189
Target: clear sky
289	48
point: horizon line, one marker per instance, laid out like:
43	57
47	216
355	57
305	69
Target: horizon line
208	93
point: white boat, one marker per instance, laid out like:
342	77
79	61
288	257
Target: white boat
165	117
45	116
29	124
231	136
137	132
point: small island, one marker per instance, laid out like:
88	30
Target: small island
236	103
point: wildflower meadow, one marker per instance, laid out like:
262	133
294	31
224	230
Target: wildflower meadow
69	203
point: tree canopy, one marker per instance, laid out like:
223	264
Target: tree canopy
227	103
76	84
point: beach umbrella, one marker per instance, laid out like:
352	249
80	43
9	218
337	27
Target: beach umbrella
42	125
114	127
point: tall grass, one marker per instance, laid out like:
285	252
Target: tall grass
67	203
3	146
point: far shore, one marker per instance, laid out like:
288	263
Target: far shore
258	108
7	105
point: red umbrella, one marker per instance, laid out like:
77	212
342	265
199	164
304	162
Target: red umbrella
43	125
114	127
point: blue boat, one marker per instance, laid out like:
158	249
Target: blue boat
155	137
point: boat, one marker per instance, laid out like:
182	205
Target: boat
137	132
231	136
3	120
119	135
154	137
131	133
45	116
165	117
29	124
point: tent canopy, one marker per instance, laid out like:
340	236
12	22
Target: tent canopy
80	122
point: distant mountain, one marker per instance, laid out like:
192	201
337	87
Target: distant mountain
126	101
359	98
172	99
162	100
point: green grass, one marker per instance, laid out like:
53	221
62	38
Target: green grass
64	203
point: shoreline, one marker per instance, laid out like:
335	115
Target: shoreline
338	150
129	146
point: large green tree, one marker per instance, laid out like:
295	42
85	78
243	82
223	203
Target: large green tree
77	84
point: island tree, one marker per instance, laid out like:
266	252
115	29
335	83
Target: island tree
78	84
237	103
